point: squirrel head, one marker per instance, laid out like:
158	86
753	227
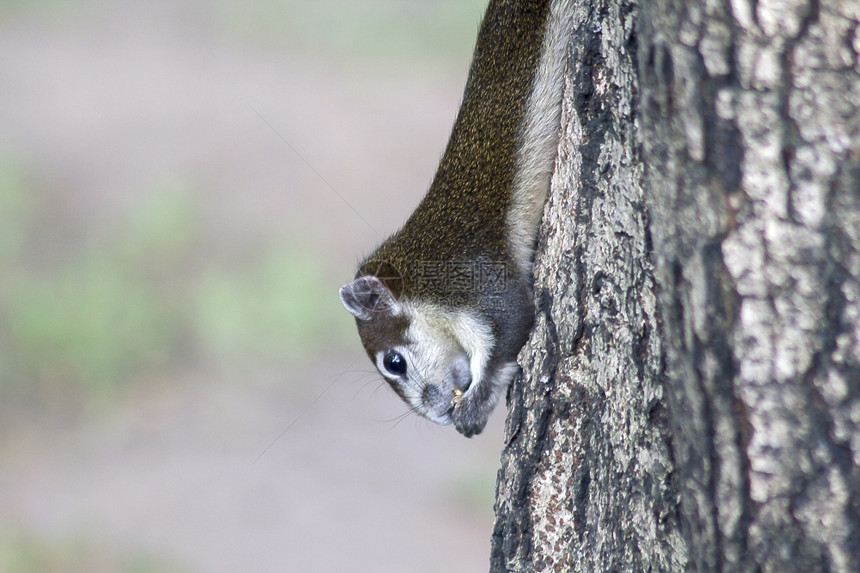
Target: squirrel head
430	355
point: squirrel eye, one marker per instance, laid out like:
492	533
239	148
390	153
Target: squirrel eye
394	363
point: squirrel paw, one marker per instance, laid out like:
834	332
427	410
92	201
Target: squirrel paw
468	416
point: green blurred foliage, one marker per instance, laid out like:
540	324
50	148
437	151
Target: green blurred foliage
146	297
26	553
392	28
280	306
474	490
88	324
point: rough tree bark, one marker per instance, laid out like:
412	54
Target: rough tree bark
691	392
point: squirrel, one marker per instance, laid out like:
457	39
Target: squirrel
445	304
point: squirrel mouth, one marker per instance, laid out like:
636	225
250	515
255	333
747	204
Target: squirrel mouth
457	395
460	379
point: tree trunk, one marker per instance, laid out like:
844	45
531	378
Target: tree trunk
690	396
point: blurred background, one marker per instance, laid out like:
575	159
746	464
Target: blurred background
183	186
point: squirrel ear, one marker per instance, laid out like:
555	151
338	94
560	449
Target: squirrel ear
367	296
